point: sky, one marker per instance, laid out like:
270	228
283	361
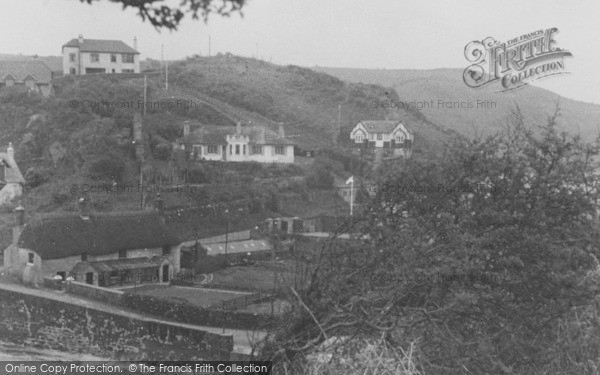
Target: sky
390	34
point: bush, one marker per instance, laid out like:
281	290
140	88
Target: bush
320	178
106	168
35	177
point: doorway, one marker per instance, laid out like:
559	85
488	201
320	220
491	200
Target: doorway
165	277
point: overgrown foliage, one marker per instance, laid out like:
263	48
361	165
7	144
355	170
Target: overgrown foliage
486	259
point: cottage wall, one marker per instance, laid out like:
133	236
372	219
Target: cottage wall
52	266
9	192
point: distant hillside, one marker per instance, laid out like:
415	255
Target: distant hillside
446	85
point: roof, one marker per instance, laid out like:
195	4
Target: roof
248	246
19	70
380	126
123	264
217	135
55	236
12	173
100	45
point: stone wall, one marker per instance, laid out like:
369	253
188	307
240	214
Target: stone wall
44	323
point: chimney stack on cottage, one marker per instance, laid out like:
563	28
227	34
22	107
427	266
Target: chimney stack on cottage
238	127
186	128
281	132
135	43
80	39
84	209
19	215
10	151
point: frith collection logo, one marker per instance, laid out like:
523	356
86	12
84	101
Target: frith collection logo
516	62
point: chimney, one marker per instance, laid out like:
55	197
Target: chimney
238	127
10	151
186	128
19	215
80	39
84	209
135	43
281	131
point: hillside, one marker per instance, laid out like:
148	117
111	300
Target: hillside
83	135
447	85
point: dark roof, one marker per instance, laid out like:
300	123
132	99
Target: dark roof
61	235
217	135
99	45
19	70
380	126
123	264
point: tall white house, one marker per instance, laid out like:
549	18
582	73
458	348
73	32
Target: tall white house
90	56
383	135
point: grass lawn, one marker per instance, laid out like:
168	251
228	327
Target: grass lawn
261	276
196	296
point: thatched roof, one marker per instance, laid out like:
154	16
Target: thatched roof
55	236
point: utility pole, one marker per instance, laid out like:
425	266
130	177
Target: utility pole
209	45
166	75
339	123
226	234
145	85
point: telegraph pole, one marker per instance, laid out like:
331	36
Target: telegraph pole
209	45
339	123
166	75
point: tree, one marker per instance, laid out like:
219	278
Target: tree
477	256
164	16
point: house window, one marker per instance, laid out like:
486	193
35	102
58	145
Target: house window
71	57
379	136
114	71
113	57
84	257
166	250
122	254
244	149
279	150
257	150
31	258
128	58
127	71
237	149
72	71
399	139
359	138
212	149
372	136
94	57
230	149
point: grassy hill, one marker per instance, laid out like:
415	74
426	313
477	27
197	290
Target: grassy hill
83	134
447	85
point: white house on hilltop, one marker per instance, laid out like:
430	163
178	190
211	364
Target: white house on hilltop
243	143
392	135
89	56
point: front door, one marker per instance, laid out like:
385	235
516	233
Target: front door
224	152
165	273
89	278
